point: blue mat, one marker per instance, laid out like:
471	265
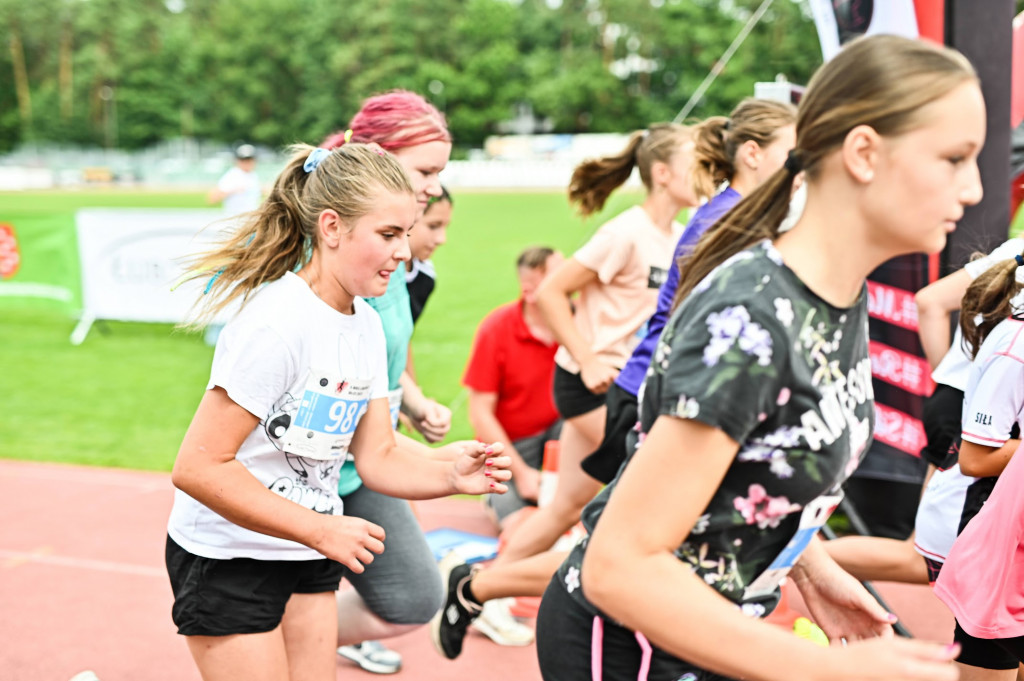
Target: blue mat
472	548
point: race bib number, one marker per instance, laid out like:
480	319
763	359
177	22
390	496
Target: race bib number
330	409
812	519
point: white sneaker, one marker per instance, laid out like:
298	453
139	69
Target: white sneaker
373	656
498	624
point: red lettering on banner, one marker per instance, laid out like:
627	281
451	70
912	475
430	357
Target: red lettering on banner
899	430
893	305
901	369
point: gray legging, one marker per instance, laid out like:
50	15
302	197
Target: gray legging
401	585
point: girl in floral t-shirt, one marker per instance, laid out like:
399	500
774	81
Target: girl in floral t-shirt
758	401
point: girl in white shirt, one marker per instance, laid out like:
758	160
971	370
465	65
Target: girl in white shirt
257	537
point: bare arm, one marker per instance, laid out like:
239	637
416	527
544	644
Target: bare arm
553	303
482	407
206	470
411	470
980	461
935	302
630	572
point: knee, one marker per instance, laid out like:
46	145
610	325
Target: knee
415	601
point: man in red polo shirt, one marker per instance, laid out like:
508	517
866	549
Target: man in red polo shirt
509	376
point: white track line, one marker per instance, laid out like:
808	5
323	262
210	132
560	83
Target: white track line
15	558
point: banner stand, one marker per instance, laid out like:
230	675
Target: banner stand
130	259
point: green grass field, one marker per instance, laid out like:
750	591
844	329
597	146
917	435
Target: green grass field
125	396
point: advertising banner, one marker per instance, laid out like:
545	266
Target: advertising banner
131	258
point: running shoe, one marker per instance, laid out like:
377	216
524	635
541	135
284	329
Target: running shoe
497	623
449	625
373	656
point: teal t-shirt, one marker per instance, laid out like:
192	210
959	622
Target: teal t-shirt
396	317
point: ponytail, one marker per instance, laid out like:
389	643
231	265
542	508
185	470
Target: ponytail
594	180
987	301
718	139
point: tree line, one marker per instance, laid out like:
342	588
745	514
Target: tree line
131	73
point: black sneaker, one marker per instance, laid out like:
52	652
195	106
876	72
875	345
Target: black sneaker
448	627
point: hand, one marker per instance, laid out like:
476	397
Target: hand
892	660
481	469
527	482
433	422
598	376
841	606
350	541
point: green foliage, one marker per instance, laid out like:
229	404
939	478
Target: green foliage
128	74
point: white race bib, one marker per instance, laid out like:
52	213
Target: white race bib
395	406
327	417
812	518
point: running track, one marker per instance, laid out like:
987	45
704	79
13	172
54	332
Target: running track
82	585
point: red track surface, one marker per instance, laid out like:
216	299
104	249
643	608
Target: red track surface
82	585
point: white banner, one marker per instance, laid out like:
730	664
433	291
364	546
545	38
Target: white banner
130	259
839	21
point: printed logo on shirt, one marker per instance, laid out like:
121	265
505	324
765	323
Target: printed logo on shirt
656	277
983	419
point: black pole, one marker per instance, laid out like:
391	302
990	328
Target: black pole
983	32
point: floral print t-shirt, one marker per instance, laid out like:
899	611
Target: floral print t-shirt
752	351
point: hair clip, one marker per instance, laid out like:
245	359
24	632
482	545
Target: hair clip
1020	260
348	135
314	158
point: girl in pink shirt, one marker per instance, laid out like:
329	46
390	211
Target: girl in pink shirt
982	580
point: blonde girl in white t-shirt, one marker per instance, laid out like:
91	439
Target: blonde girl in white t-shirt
257	539
616	275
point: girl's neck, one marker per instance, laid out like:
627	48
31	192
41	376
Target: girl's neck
743	183
662	209
829	251
327	289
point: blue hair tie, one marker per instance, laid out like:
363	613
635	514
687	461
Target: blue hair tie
314	158
216	276
1020	259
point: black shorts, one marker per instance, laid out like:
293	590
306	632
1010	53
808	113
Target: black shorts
570	644
620	419
572	398
242	595
989	653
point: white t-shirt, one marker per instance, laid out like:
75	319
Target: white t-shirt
242	189
955	365
938	514
307	371
994	398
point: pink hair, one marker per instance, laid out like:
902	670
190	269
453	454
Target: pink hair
394	120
